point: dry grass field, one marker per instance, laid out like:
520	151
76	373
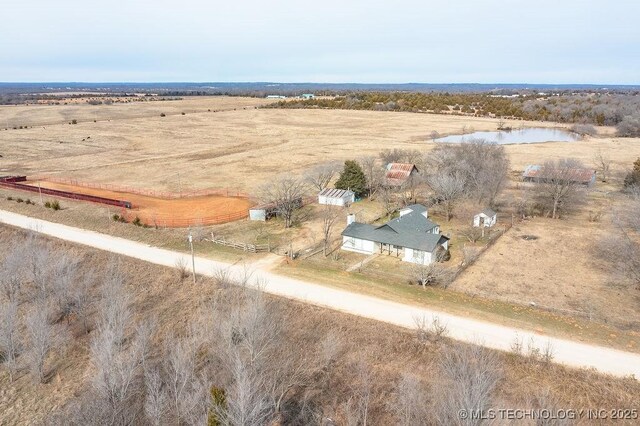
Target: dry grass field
238	148
131	144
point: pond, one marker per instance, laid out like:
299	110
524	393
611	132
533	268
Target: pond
518	136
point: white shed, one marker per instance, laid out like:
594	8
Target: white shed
336	197
486	218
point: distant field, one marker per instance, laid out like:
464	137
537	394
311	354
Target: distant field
241	149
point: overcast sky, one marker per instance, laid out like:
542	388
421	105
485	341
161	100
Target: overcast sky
368	41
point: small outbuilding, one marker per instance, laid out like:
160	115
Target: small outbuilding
336	197
486	218
397	174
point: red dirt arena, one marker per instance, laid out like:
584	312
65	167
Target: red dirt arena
163	209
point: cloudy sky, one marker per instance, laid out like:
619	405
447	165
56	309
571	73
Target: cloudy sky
368	41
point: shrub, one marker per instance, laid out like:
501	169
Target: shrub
19	200
118	218
137	221
629	126
633	177
162	114
55	205
74	121
10	198
182	113
28	201
47	204
584	129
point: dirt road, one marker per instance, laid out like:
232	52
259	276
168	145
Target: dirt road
566	352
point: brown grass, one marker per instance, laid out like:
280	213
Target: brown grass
240	149
389	351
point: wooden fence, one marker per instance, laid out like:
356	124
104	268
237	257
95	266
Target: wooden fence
253	248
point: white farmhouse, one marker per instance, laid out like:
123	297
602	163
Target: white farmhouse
412	236
486	218
336	197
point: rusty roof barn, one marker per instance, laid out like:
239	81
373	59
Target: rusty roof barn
398	173
582	176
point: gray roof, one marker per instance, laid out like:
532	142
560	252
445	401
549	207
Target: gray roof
488	212
335	193
410	230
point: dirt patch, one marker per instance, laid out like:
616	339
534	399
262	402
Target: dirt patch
164	212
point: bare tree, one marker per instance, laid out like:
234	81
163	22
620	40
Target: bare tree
81	299
558	187
38	266
11	275
408	404
63	278
9	338
429	274
114	311
156	400
448	190
41	341
320	176
621	250
180	372
387	195
472	233
481	167
603	164
373	172
285	194
359	404
470	374
330	215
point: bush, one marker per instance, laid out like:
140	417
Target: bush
28	201
633	177
137	221
47	204
10	198
584	129
118	218
162	114
55	205
629	126
19	200
74	121
182	113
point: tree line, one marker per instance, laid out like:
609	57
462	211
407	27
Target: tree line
601	108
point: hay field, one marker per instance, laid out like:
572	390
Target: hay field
239	149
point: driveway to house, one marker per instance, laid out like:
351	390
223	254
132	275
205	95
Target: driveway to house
469	330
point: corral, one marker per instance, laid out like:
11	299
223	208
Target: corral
153	208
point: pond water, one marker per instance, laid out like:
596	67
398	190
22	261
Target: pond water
518	136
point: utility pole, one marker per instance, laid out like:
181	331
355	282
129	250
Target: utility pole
40	192
193	259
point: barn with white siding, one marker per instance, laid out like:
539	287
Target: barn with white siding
336	197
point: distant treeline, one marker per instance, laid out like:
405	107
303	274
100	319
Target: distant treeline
593	108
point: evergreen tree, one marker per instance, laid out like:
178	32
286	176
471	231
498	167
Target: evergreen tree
633	177
352	177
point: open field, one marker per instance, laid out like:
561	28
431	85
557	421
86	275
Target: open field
245	148
388	352
239	149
